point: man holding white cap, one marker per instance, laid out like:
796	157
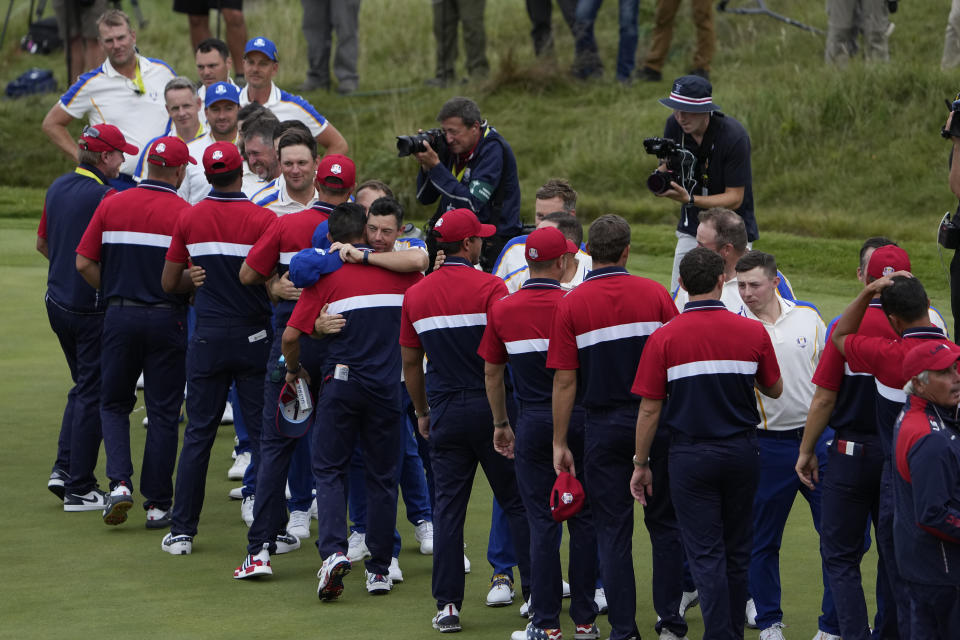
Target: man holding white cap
721	176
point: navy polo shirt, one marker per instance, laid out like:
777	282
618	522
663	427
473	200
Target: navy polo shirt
729	166
217	233
69	205
883	358
446	315
518	330
704	364
370	299
601	328
288	235
129	236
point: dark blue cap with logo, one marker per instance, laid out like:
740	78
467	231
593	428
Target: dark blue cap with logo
692	94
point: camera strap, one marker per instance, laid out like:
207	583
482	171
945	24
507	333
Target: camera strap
705	150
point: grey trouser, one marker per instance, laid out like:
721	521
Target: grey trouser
320	19
843	26
446	15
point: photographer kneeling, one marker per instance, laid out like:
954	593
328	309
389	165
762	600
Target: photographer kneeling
711	167
468	165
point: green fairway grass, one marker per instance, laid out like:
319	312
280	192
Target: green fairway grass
838	155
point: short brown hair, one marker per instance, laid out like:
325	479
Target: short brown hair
609	235
114	18
753	259
559	188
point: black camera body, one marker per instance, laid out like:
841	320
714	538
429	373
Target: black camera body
954	130
679	163
949	234
407	145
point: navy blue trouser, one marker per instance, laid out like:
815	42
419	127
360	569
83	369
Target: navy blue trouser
80	433
219	353
713	483
934	611
500	553
461	436
850	500
276	449
346	414
885	547
777	488
608	465
152	340
535	479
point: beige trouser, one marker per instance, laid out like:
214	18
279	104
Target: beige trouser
951	44
843	25
663	18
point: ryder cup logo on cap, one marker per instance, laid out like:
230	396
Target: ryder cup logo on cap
460	224
532	253
336	169
337	172
262	45
222	91
548	243
169	152
886	260
566	497
221	157
691	94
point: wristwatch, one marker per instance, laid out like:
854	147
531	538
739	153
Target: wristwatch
640	464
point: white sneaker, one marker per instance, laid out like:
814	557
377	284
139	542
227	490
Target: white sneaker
690	599
586	632
118	502
565	589
424	535
227	417
146	421
140	381
236	493
357	547
501	591
823	635
236	443
287	542
331	574
666	634
536	632
752	614
600	597
177	545
525	609
299	524
313	509
395	574
447	619
253	566
378	584
93	500
239	466
773	632
246	510
466	564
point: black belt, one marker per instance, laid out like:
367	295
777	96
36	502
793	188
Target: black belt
117	301
682	438
789	434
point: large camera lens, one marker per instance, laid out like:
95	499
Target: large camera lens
659	181
407	145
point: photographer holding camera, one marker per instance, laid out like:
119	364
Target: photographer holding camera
709	166
466	164
949	236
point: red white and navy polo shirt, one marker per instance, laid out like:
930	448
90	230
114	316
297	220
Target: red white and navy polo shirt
446	315
370	300
217	233
518	330
601	327
706	361
129	236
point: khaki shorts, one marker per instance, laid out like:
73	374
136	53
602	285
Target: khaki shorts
82	20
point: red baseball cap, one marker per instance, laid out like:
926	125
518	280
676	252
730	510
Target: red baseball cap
221	157
548	243
105	137
169	151
930	356
460	224
566	497
337	172
886	260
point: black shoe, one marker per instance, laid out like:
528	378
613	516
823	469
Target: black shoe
651	75
703	73
57	482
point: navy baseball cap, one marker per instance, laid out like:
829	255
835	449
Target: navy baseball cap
264	46
222	91
692	94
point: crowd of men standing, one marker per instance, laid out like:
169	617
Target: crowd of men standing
219	252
